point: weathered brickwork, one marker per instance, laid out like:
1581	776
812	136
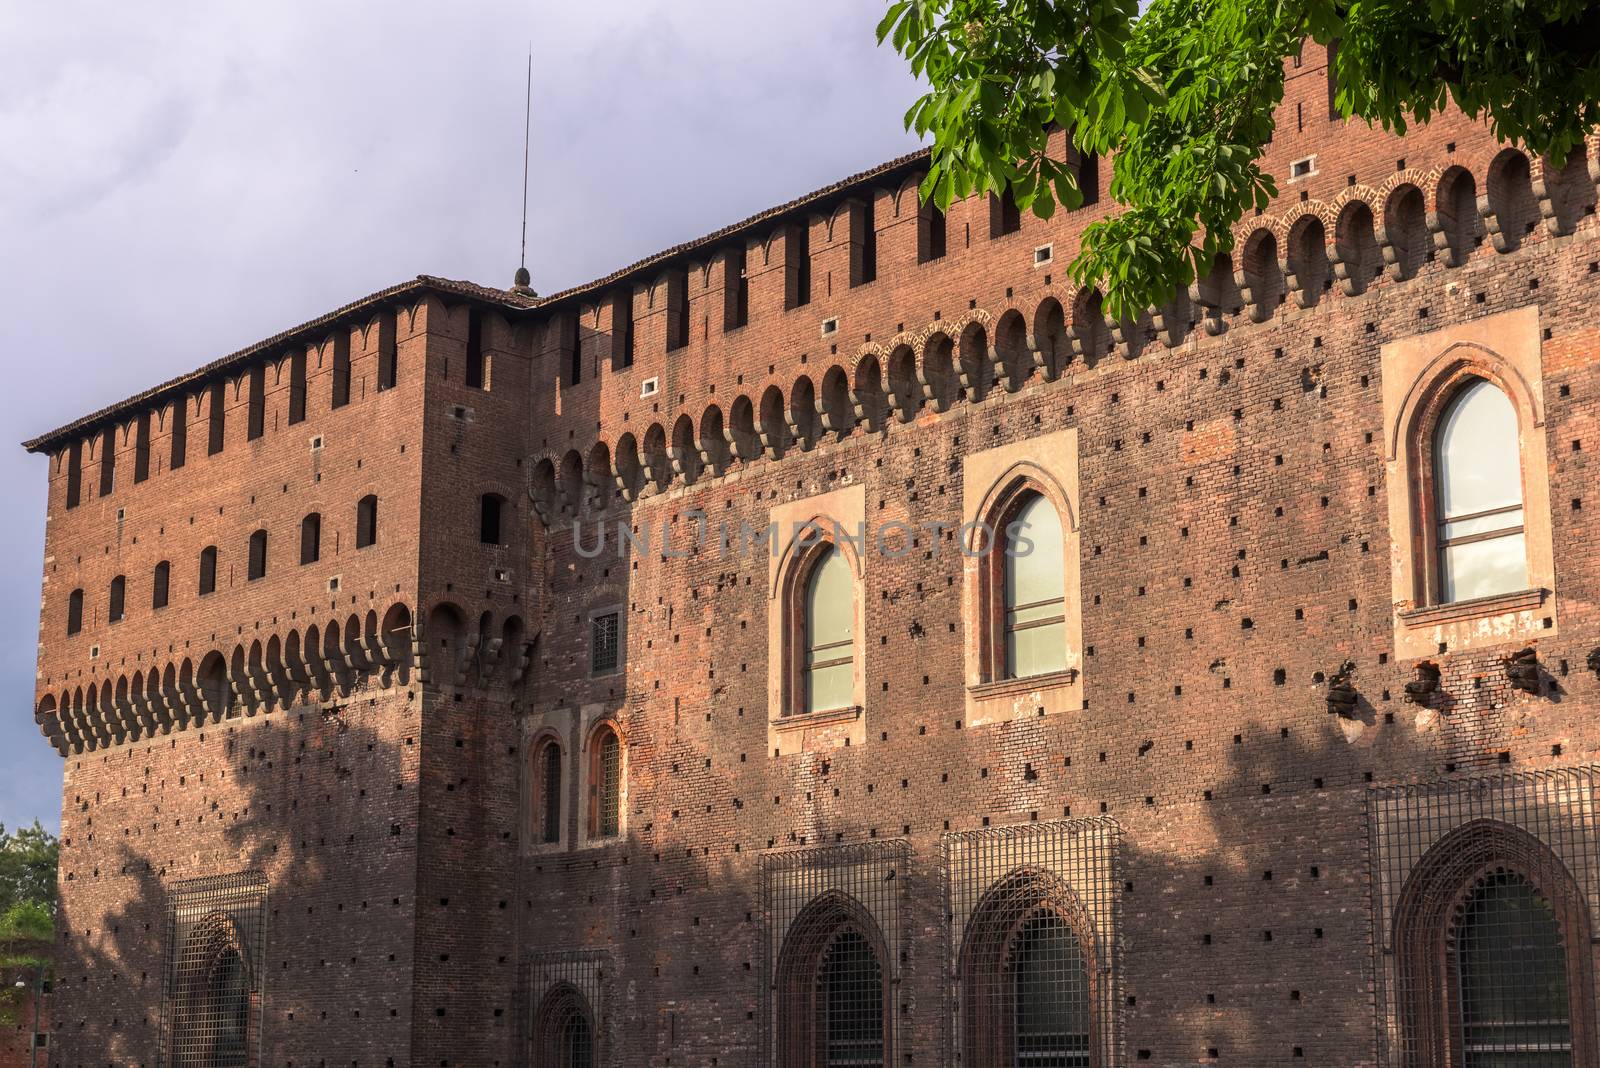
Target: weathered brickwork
1228	505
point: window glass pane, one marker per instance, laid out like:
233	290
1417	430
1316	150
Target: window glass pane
1484	524
1035	629
830	634
1477	458
1513	979
1484	568
609	774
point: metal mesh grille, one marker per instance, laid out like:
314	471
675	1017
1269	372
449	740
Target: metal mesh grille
211	994
608	786
1512	973
832	955
1484	892
1032	914
851	982
550	812
566	1009
604	646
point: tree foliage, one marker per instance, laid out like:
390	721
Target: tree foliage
1182	98
28	858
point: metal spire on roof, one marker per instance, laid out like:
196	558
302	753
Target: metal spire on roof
523	281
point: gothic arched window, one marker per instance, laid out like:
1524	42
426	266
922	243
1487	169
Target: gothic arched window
1478	486
1511	969
605	782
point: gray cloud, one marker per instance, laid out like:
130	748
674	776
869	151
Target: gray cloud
173	188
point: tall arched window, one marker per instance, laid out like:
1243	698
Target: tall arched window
258	555
208	570
213	1000
159	583
116	602
367	521
563	1030
1478	485
547	762
605	783
828	666
311	538
1511	970
75	612
1492	954
1034	626
833	997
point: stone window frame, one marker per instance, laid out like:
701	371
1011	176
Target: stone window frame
801	1033
992	481
589	764
1004	501
840	512
594	614
541	742
1421	376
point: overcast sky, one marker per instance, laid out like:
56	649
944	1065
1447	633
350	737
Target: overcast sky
180	180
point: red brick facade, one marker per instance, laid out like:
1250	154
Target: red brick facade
1227	469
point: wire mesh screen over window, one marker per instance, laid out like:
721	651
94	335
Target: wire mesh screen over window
1035	623
211	997
1512	972
1478	468
829	634
831	948
850	991
1032	910
550	791
605	642
1484	895
563	998
606	785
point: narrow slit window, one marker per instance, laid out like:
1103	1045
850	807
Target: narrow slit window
490	507
159	583
116	601
297	387
311	538
475	358
141	447
180	433
258	402
75	612
366	521
208	570
218	418
388	351
74	474
258	555
341	370
108	461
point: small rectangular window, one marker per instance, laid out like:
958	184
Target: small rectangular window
677	308
208	570
863	243
735	291
605	649
158	585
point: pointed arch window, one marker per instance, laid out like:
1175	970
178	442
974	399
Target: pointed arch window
1511	969
827	679
833	1000
1482	547
563	1030
605	783
547	764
